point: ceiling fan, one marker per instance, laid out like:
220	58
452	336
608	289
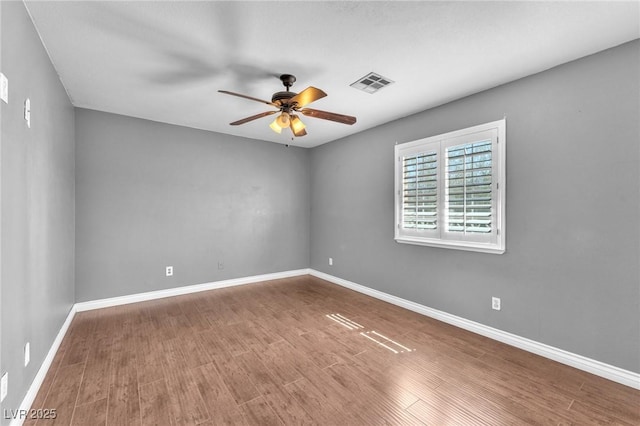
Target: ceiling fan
288	104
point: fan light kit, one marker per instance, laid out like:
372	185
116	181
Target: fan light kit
288	104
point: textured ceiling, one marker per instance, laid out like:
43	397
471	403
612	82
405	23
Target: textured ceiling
165	61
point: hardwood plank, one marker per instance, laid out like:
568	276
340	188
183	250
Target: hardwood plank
185	399
221	314
394	368
149	353
279	358
92	413
336	396
473	377
244	337
494	408
219	401
221	339
82	338
279	327
258	412
155	404
286	408
236	379
123	400
453	410
598	415
350	342
123	351
198	321
41	396
386	382
214	343
299	320
429	414
470	382
607	396
313	401
545	371
374	403
95	381
63	393
310	344
280	401
193	350
264	334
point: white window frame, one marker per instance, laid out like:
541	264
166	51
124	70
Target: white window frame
493	242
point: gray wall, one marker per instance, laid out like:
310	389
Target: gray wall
570	275
37	177
151	195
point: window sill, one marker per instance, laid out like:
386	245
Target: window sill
477	247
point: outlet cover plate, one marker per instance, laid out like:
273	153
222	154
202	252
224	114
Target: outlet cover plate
4	386
27	112
4	88
27	354
495	303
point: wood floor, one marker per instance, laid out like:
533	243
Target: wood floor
303	351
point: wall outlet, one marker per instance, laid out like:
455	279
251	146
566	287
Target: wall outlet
4	386
27	354
4	88
495	303
220	265
331	261
169	271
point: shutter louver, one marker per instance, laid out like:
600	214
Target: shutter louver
419	192
468	186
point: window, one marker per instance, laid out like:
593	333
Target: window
450	189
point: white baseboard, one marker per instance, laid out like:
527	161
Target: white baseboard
177	291
589	365
44	368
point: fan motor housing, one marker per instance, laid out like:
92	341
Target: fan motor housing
282	96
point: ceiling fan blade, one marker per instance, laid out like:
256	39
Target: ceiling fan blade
308	95
332	116
226	92
253	117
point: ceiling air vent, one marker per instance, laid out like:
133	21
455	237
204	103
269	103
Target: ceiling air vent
371	83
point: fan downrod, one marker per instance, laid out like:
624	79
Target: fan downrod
288	80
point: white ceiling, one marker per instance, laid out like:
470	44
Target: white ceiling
165	61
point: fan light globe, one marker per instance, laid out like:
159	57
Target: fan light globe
297	124
274	126
283	120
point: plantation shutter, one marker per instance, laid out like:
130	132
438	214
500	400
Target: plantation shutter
468	188
449	189
420	191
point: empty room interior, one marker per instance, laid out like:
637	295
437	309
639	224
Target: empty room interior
335	212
